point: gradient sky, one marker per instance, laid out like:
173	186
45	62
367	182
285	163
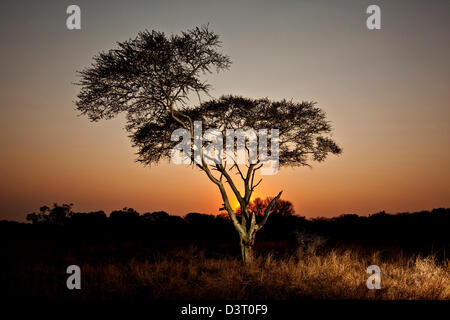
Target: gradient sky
386	93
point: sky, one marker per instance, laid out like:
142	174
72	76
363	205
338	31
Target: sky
385	91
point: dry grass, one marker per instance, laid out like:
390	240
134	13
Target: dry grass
190	275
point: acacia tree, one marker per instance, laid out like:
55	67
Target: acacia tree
150	79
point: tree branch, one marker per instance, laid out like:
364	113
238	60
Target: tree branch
268	211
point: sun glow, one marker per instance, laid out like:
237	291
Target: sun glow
234	203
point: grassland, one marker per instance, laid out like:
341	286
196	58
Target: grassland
190	275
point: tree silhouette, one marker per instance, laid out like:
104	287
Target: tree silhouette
57	215
150	78
282	207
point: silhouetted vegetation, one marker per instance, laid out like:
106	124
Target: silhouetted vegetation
419	232
157	255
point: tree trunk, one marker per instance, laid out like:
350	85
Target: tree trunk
247	250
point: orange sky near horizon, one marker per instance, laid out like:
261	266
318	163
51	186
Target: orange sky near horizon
386	93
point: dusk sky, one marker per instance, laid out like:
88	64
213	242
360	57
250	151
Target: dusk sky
385	91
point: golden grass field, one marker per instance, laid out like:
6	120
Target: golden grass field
189	275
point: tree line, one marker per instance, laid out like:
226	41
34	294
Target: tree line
423	231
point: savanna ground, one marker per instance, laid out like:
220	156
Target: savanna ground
190	274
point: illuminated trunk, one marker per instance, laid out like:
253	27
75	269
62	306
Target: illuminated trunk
247	249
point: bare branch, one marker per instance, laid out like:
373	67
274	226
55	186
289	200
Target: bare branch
232	185
268	211
254	187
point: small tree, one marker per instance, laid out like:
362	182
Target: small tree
282	207
149	78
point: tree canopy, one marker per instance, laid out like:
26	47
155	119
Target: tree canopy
303	128
150	75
